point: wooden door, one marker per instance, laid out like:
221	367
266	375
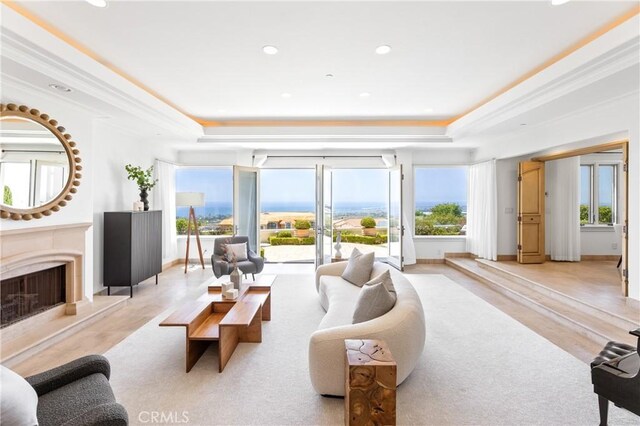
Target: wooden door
531	247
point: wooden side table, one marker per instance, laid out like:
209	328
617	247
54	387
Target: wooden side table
370	383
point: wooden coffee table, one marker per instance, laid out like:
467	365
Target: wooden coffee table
212	318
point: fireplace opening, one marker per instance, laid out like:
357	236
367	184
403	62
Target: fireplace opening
31	294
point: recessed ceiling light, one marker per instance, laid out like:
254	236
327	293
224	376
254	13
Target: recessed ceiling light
329	75
286	95
383	50
97	3
270	50
559	2
222	110
428	110
60	87
523	124
365	94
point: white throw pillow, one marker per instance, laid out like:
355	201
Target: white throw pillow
239	251
358	270
18	400
385	279
374	301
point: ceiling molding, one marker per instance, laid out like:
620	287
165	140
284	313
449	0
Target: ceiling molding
537	93
325	123
51	29
633	12
39	59
333	139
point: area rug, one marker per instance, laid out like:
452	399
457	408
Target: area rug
479	367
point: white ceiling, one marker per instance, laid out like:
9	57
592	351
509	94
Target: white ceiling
207	59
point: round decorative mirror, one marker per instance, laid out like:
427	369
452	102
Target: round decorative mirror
39	164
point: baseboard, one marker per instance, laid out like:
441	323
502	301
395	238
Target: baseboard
171	264
588	257
465	255
429	261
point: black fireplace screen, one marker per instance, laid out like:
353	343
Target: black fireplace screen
31	294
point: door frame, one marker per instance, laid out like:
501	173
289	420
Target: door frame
236	202
622	144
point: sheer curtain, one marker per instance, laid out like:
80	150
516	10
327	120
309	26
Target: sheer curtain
563	187
165	200
482	211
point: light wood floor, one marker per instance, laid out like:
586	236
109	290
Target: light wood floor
175	287
593	281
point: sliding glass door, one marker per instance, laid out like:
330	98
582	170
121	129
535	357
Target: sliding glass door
246	211
395	227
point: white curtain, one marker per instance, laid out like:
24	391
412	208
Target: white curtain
563	203
482	211
165	199
408	247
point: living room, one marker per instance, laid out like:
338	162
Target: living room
486	154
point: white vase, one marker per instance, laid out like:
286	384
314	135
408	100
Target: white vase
236	278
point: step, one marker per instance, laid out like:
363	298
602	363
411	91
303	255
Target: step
53	330
566	315
619	320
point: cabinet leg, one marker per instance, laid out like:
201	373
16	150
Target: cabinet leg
131	291
108	291
156	279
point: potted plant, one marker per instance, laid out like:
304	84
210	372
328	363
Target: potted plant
144	180
302	228
368	226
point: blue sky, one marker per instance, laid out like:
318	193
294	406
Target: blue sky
217	184
349	185
605	185
440	184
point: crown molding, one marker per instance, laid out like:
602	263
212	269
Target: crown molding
615	60
104	91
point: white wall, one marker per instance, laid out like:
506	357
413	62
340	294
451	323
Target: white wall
77	123
115	147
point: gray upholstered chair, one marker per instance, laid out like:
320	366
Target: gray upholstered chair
253	265
78	393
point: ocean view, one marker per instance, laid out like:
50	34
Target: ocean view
225	209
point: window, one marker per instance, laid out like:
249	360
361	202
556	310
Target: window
216	217
598	194
440	200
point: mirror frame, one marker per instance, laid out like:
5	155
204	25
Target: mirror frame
73	179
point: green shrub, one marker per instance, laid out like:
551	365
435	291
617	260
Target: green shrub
302	224
362	239
262	252
368	222
605	214
284	234
584	213
292	241
7	198
181	225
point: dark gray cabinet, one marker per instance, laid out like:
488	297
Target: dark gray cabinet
132	247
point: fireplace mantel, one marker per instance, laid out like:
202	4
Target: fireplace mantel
28	250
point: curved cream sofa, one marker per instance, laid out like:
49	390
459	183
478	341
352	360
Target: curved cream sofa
403	327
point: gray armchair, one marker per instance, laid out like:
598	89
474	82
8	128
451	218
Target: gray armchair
253	265
78	393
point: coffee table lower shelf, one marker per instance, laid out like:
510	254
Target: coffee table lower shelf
228	322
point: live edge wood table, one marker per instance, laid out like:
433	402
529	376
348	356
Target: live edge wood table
228	322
